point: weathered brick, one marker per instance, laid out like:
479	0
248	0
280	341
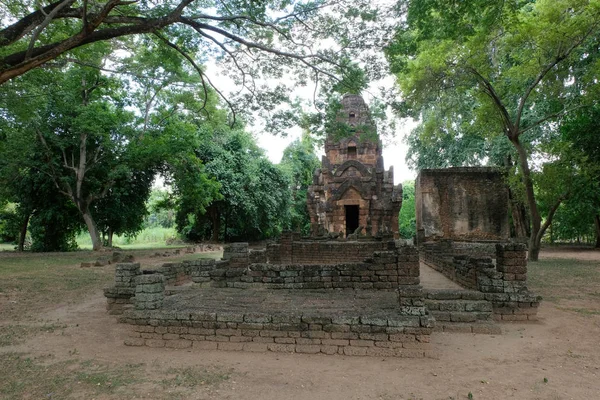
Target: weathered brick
257	347
308	341
285	340
344	335
388	344
281	347
261	339
335	342
178	344
402	338
170	336
308	348
316	335
238	339
134	342
228	332
362	343
355	351
204	345
381	352
230	346
155	343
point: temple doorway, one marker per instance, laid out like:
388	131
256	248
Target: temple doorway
351	219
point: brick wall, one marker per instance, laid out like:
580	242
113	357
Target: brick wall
382	270
120	296
383	336
504	284
462	204
331	252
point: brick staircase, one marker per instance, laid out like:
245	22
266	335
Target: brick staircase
460	311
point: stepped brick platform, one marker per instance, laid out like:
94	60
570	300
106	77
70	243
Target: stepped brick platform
461	311
349	322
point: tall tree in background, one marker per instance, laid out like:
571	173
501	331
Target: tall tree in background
582	210
299	162
407	220
255	195
254	41
511	68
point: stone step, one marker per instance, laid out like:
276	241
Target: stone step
453	294
458	316
460	311
481	327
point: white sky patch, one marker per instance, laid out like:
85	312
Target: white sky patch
394	148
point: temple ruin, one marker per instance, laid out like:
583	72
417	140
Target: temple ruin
352	189
350	288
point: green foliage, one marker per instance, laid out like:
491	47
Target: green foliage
299	163
407	221
575	218
490	82
55	226
9	224
160	212
254	194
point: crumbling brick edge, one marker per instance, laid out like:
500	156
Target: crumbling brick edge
391	336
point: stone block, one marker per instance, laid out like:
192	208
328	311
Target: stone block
178	344
135	341
308	348
355	351
230	346
155	343
281	347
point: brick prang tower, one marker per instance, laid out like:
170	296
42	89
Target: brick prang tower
352	189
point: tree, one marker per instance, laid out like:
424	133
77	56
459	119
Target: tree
123	210
407	218
255	195
269	39
299	163
582	211
512	66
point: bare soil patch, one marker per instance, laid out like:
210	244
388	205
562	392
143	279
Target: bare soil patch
84	357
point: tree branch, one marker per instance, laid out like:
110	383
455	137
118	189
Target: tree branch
49	17
191	61
559	57
488	89
266	49
550	216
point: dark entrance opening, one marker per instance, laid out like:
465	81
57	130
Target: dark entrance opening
351	219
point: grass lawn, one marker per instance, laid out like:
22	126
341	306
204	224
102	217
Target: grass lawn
572	284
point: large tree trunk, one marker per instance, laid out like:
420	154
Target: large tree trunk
537	228
536	220
215	217
519	217
23	233
93	230
597	225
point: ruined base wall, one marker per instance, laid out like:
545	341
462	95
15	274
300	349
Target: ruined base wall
323	251
504	282
400	336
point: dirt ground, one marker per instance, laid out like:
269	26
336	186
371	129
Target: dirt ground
555	358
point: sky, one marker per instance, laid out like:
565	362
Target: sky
394	148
